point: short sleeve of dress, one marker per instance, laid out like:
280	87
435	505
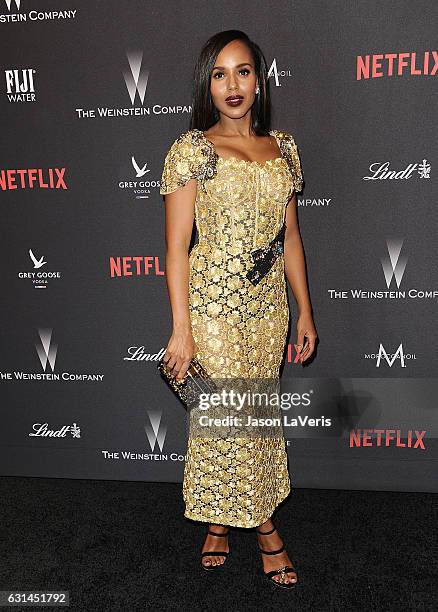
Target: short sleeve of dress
183	162
293	159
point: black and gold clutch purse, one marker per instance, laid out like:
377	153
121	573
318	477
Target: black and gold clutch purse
195	382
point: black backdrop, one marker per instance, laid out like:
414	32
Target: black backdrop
84	310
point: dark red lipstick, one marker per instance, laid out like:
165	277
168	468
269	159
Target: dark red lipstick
234	100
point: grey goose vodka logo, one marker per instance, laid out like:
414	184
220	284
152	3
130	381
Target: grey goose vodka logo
135	179
47	352
14	13
38	275
135	78
393	265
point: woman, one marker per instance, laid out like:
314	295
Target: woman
237	179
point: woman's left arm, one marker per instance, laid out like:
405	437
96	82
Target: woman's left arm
295	269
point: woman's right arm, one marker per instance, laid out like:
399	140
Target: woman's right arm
180	211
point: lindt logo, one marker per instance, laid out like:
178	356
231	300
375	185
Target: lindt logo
382	172
42	430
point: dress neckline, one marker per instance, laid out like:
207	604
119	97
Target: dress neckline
245	161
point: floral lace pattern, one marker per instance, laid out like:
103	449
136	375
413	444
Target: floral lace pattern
239	328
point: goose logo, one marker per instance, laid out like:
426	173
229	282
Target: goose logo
139	172
136	80
39	275
37	263
155	431
139	183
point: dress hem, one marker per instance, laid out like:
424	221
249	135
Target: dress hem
247	525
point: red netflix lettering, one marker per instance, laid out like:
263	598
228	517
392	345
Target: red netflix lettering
387	437
29	178
399	64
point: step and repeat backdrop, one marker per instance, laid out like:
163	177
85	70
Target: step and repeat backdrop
92	94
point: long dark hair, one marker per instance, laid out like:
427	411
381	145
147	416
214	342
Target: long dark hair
204	112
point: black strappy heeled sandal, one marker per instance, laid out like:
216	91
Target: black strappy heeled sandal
282	571
215	553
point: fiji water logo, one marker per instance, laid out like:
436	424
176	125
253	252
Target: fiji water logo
20	84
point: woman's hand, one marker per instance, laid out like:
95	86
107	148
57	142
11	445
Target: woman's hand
305	328
179	352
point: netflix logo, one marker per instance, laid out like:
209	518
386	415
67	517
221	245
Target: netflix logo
134	266
396	64
387	437
30	178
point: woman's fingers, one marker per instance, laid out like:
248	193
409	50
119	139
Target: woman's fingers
308	349
183	369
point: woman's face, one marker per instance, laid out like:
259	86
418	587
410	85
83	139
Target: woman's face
233	75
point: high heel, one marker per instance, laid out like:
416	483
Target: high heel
214	553
282	571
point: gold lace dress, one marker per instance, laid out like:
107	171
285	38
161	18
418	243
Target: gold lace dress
239	328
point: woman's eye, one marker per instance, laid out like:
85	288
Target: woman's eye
241	70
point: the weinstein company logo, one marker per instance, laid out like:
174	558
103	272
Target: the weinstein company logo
136	78
387	437
139	184
31	178
14	5
381	172
156	436
10	2
155	430
39	275
390	357
42	430
396	65
20	85
393	264
47	350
